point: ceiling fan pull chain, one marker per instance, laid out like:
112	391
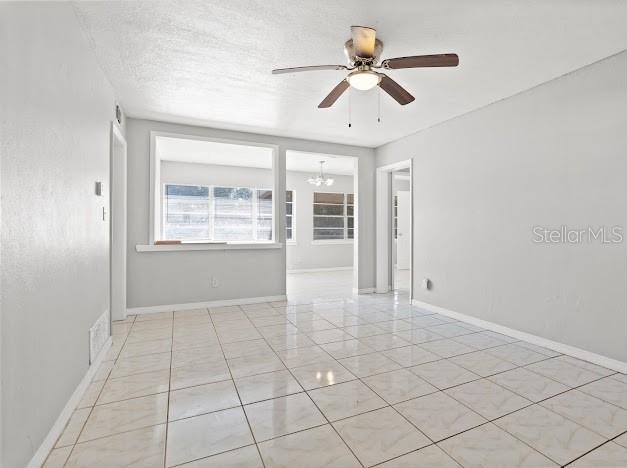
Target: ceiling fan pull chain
379	104
350	93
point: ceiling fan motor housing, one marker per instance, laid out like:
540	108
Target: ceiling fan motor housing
363	52
349	51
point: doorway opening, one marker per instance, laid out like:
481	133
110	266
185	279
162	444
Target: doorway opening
394	257
401	227
321	226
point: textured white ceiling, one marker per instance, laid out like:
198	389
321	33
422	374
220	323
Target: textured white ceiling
209	62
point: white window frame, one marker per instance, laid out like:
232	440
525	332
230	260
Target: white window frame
155	197
345	215
291	241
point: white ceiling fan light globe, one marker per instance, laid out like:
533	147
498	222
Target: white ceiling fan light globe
329	182
363	80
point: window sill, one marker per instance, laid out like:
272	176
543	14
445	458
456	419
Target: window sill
291	242
332	241
208	246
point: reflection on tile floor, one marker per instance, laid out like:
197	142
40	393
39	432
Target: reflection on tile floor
343	381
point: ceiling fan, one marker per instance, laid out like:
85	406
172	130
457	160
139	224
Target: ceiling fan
363	51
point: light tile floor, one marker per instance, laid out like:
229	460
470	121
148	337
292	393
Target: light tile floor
340	381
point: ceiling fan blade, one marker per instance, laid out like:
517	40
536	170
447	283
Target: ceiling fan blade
400	94
363	41
279	71
334	95
419	61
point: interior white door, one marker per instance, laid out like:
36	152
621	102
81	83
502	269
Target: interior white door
118	225
403	240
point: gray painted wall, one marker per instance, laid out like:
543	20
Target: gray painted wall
158	278
57	107
554	155
304	255
300	255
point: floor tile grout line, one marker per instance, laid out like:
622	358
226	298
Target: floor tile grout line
211	456
107	436
388	405
322	413
601	377
417	428
252	434
492	421
341	419
114	360
91	408
572	420
480	378
414	451
381	351
167	413
589	451
528	445
311	399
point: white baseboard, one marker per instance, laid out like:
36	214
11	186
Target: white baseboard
201	305
318	270
57	428
363	291
594	358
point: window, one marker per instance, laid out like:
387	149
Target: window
186	212
212	191
350	216
290	227
201	213
395	216
333	216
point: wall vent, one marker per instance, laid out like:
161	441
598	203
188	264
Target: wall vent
98	336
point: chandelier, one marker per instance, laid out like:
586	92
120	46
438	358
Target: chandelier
320	179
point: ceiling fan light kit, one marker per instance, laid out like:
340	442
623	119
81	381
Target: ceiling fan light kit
363	80
363	51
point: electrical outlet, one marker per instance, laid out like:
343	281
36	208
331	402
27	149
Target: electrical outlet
214	282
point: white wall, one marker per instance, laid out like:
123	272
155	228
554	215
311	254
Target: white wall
300	255
305	254
554	155
161	278
56	112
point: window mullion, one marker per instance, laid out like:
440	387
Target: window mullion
254	206
345	218
211	212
